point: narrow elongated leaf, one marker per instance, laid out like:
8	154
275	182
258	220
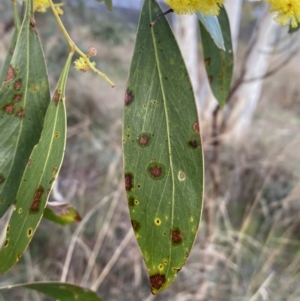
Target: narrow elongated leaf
211	23
38	178
61	213
218	62
162	151
60	291
9	56
24	98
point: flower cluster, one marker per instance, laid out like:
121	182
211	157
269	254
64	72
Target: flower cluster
286	11
82	65
42	5
207	7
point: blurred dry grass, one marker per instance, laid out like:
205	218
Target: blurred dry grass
252	252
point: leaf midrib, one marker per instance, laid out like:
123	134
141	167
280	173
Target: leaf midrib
167	126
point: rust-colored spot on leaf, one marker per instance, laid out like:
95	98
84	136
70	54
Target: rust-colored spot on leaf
155	171
6	243
131	201
210	78
36	200
144	139
56	135
17	97
128	181
135	225
56	97
9	109
157	281
10	74
18	84
128	97
176	236
29	162
2	178
19	257
21	113
196	127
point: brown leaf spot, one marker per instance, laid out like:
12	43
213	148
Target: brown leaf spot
2	179
5	244
17	97
19	257
9	109
56	135
18	84
29	162
10	74
56	97
207	62
29	232
128	181
131	201
135	225
193	143
176	237
48	191
78	218
21	113
36	200
157	281
32	23
210	78
128	97
52	180
196	127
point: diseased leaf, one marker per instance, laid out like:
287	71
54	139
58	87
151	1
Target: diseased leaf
59	290
211	23
61	213
108	3
24	99
218	62
162	151
38	178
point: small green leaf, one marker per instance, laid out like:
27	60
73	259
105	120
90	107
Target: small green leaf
9	55
211	23
162	151
61	213
59	290
38	178
218	62
108	3
24	99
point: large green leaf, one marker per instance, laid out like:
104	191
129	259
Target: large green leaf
24	98
38	178
212	25
218	62
162	151
59	290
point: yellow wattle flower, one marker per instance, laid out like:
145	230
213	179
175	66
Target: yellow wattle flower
286	11
40	5
207	7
